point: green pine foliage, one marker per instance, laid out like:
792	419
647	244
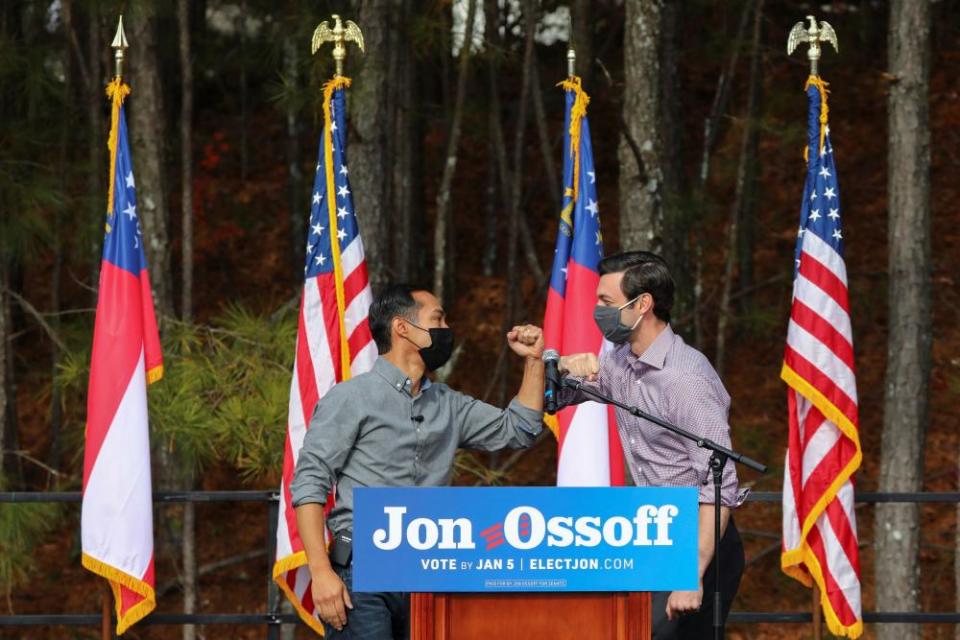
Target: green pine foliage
223	397
22	526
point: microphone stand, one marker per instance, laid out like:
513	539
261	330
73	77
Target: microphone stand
718	459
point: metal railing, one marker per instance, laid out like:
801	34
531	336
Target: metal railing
273	618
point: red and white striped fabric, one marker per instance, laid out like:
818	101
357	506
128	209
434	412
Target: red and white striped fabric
116	521
333	340
588	450
819	523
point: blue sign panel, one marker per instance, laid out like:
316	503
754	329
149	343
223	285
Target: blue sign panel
525	539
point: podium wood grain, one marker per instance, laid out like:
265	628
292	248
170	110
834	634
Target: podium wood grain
476	616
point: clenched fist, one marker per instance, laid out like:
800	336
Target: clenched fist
581	365
526	340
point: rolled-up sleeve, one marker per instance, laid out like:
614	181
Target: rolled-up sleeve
326	445
704	410
489	428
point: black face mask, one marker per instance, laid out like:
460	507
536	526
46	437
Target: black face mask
440	349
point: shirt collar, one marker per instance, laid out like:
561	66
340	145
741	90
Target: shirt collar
656	354
395	377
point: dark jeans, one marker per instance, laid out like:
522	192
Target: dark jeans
375	616
699	625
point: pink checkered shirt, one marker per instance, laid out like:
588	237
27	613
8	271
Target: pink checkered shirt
677	383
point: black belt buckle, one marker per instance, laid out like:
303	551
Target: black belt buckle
341	553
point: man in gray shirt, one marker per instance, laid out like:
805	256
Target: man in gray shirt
392	427
654	369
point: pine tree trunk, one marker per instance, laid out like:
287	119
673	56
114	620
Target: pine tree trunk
11	469
641	187
369	121
582	38
712	126
148	136
492	204
497	164
5	357
186	307
906	401
676	217
407	148
189	548
97	175
445	189
291	64
56	240
186	158
740	192
528	88
244	91
543	134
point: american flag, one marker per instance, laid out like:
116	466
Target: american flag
819	524
589	449
116	521
333	339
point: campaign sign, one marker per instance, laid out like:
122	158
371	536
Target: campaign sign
525	539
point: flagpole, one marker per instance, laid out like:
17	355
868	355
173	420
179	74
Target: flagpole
106	622
817	616
339	35
119	44
813	35
287	567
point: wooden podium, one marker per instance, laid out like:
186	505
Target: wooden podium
476	616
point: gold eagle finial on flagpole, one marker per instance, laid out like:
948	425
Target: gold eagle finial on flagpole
812	35
339	35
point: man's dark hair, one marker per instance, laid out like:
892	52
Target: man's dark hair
643	272
394	300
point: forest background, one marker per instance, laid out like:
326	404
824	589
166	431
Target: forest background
698	120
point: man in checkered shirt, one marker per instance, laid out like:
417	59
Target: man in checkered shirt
652	368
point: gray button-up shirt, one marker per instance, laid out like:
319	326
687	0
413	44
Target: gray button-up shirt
368	432
673	381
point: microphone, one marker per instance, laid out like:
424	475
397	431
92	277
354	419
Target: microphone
417	419
552	385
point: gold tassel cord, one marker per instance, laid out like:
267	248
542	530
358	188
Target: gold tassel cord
339	82
820	84
577	114
117	90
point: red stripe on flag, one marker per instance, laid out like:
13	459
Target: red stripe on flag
326	282
355	283
820	381
553	320
826	472
834	593
296	544
844	532
581	333
817	273
817	326
811	424
117	343
306	381
307	599
152	356
794	449
820	479
360	338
